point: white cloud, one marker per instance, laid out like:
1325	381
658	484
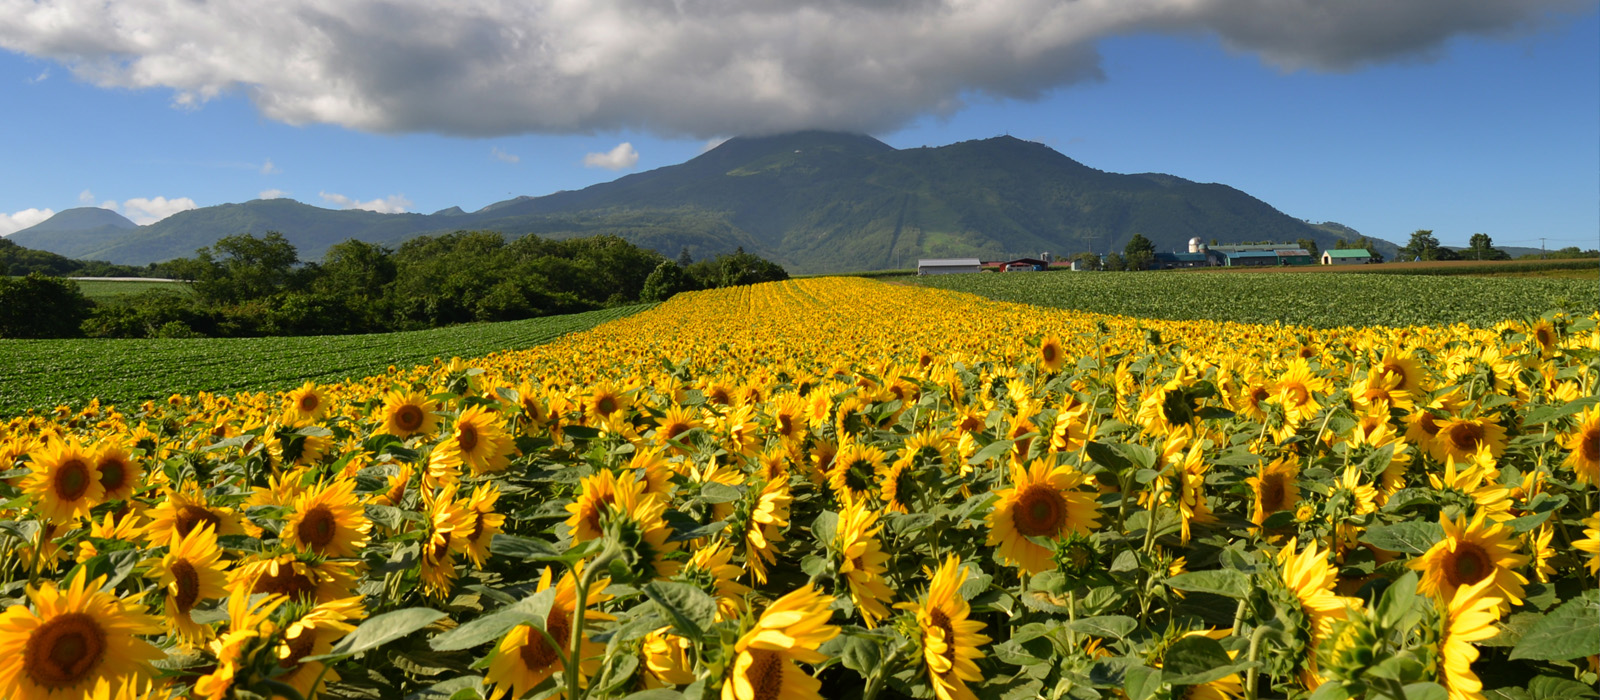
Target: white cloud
16	221
268	168
41	77
713	143
619	158
502	156
392	204
272	194
86	198
145	211
701	68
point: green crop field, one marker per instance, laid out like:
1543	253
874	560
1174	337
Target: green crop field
101	290
39	374
1321	300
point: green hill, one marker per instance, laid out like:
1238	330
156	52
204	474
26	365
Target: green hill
75	232
814	201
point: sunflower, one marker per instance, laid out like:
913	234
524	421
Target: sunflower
306	404
1190	475
1311	578
853	475
763	527
312	635
789	420
1403	368
120	474
789	630
950	641
1276	488
73	639
485	522
646	532
862	561
1296	393
192	572
477	441
407	413
328	520
667	660
1378	394
1469	617
524	658
289	576
1462	438
1472	551
1474	486
1070	432
183	509
1584	443
672	424
394	492
1590	542
898	484
1051	355
596	495
1248	400
605	403
1044	501
449	521
64	484
1543	552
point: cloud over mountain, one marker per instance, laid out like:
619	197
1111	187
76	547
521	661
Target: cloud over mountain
690	67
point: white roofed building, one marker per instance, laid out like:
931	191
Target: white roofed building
948	266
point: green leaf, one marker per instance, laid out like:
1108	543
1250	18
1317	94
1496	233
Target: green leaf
1552	688
1196	659
387	516
493	626
714	492
380	630
825	527
1568	632
862	653
691	609
1399	601
656	694
1103	455
992	450
1545	414
1105	626
1425	691
1224	582
1142	682
1412	537
524	548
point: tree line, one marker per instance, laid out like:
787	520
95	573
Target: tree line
246	285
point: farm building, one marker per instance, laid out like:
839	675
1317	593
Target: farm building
1020	265
1170	261
1249	258
947	266
1295	256
1355	256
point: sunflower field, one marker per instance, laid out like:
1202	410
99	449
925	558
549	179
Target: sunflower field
835	488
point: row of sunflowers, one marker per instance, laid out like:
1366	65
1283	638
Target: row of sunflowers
835	488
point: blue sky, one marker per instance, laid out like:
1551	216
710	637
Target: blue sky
1497	133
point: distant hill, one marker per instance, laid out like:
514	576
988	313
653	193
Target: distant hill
814	201
74	232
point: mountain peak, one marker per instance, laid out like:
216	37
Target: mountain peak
81	219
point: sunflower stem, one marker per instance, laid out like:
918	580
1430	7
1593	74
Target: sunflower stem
38	548
1250	673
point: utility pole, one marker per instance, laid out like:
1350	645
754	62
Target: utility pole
1541	248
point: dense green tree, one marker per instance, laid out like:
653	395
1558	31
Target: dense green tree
1139	252
240	268
1115	262
1422	246
1087	261
1481	247
666	280
1309	246
40	306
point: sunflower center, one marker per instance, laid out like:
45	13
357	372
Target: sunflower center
858	476
408	417
765	674
396	492
606	405
1469	565
1543	336
113	475
309	403
467	437
1259	394
1429	425
719	397
72	480
939	619
1040	510
1466	436
300	647
785	424
63	651
189	516
673	430
1296	395
1397	371
905	482
1049	353
185	585
1273	493
537	653
317	527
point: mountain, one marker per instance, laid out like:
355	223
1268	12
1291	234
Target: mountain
814	201
74	232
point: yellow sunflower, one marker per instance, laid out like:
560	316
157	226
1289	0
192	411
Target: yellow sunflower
1472	551
1584	443
710	568
64	484
647	532
394	492
119	473
667	660
524	658
605	403
672	424
191	572
1462	438
1469	617
306	404
328	520
1276	488
767	516
1051	355
312	635
476	440
950	640
486	522
73	639
898	484
595	497
789	630
1311	578
1296	392
183	509
1590	542
449	522
863	561
1404	368
407	413
853	475
294	578
1044	501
